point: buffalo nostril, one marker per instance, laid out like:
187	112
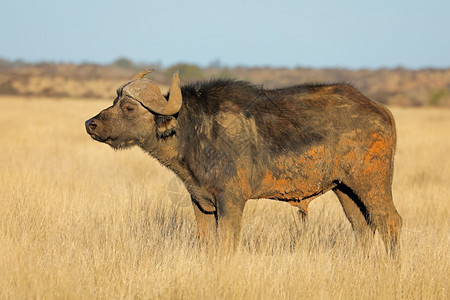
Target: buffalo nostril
90	124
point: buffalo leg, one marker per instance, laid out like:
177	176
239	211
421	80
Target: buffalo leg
302	215
385	217
229	217
302	208
356	213
206	222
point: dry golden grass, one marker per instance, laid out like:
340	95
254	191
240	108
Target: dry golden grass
81	221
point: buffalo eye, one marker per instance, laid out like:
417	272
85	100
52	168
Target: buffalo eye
128	108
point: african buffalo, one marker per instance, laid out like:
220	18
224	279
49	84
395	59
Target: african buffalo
230	141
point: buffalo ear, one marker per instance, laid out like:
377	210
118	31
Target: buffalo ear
165	126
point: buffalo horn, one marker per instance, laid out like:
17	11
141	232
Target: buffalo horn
175	98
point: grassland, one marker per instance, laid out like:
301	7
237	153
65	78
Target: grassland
81	221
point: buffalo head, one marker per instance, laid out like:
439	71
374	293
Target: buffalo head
137	113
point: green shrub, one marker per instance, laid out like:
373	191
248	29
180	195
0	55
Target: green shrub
124	63
437	96
187	72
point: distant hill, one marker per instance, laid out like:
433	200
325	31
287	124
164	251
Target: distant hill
402	87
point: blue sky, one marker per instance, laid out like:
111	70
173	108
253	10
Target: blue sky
350	34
